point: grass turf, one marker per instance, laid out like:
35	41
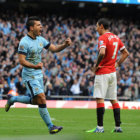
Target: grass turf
26	124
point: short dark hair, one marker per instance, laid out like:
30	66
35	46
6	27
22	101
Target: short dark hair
104	22
30	22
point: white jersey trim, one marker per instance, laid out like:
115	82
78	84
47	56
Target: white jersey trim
122	48
106	32
102	47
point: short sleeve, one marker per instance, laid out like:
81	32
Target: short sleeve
46	44
102	42
22	48
121	45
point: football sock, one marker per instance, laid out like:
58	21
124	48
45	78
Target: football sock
45	115
117	128
100	113
100	127
21	99
116	110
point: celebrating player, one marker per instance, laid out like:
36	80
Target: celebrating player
105	86
30	49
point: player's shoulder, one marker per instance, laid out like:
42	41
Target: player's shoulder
40	38
107	34
24	39
43	40
111	36
103	37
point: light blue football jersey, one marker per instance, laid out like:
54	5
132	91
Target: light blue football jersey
32	48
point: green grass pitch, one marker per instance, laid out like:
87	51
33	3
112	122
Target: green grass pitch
26	124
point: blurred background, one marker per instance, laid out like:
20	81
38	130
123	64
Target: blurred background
67	74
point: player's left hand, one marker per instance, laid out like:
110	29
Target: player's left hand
67	42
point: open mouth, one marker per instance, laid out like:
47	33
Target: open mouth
40	32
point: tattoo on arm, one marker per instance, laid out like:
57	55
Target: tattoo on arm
61	47
100	57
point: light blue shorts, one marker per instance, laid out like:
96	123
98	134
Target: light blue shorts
35	86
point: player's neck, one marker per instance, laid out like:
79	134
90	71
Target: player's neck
105	31
31	35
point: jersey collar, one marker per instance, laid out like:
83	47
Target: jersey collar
31	37
107	32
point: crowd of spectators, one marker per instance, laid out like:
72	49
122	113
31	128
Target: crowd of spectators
68	72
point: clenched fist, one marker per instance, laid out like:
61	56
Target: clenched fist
39	66
67	42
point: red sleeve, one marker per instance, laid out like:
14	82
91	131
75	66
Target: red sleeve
102	42
121	45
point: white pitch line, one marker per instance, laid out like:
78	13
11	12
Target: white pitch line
36	117
129	124
21	128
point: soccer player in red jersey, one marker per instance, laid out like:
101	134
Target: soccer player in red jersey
105	85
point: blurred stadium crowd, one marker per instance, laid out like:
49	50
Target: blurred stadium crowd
68	72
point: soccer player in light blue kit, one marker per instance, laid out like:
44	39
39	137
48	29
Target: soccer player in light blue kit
29	50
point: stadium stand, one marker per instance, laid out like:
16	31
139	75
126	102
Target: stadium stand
67	74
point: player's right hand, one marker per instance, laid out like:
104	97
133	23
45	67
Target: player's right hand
39	66
68	42
94	68
116	65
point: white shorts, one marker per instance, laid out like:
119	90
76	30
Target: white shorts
105	86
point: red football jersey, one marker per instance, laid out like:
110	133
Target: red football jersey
113	44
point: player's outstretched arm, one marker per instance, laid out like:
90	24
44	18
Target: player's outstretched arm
124	55
25	63
60	47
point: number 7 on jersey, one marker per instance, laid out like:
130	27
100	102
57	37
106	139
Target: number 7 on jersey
115	50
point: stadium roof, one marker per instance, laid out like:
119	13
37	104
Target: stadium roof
111	1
